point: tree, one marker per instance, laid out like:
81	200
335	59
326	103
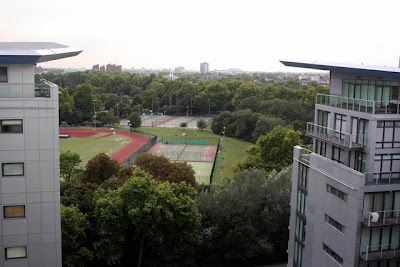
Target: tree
273	151
183	124
233	230
66	106
135	120
201	124
164	170
83	102
74	225
69	162
154	218
100	168
109	119
265	124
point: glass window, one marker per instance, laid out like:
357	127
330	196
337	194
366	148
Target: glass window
14	211
12	169
333	254
11	126
3	75
336	192
15	253
334	223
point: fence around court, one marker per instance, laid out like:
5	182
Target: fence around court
146	147
209	141
215	162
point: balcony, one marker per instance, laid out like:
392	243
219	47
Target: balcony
348	141
359	105
381	252
39	89
381	218
377	178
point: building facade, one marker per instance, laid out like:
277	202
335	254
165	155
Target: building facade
30	226
345	201
204	68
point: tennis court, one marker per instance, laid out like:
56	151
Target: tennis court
200	157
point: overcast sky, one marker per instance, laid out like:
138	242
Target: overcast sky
251	35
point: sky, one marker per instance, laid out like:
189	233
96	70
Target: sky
251	35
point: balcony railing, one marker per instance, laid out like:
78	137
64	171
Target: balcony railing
381	252
360	105
375	178
40	88
305	155
349	141
381	218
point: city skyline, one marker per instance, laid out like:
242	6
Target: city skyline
227	34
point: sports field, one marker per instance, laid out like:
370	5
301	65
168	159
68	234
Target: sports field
88	143
200	157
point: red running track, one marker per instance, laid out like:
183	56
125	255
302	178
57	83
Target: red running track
137	141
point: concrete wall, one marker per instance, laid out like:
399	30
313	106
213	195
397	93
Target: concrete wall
39	189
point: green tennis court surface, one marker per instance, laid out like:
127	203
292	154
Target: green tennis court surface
200	157
202	170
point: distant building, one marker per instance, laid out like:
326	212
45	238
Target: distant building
96	67
180	69
171	76
102	68
113	68
204	67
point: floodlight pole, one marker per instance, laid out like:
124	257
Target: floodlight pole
94	112
129	144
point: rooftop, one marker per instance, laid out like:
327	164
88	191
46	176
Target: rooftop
355	69
34	52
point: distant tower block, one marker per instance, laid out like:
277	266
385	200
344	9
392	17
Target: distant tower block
204	68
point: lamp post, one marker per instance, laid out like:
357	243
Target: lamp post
209	106
187	111
112	142
94	112
191	106
116	104
129	144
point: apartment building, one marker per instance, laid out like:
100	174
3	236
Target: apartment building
204	67
345	201
30	227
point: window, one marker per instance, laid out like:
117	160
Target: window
361	161
298	254
320	148
11	126
302	202
12	169
388	134
333	254
336	192
334	223
15	253
303	176
3	75
300	228
14	211
337	154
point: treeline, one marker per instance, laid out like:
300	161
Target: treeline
245	106
152	215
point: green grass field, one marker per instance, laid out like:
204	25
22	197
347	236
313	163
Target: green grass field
87	148
234	148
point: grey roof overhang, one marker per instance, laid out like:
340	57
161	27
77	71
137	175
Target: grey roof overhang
32	53
359	70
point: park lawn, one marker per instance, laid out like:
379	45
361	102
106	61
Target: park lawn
87	148
234	148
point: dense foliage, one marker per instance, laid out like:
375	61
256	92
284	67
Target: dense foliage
246	107
246	219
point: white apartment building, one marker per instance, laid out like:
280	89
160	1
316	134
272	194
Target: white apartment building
30	226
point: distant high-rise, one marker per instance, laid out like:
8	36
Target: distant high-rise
203	68
96	67
113	68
